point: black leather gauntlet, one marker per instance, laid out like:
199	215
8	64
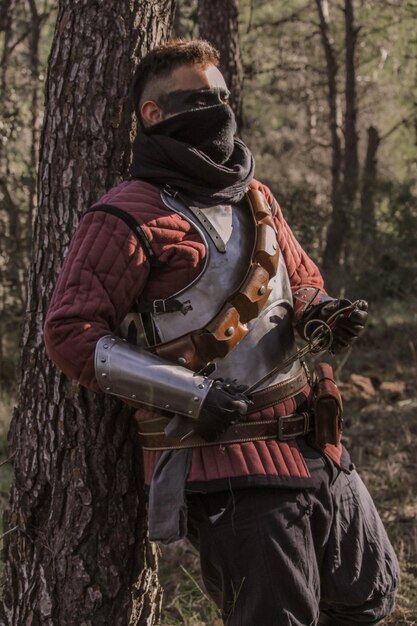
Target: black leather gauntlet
346	321
224	404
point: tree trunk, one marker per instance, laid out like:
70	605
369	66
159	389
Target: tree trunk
75	549
345	167
367	208
350	161
338	219
218	23
34	42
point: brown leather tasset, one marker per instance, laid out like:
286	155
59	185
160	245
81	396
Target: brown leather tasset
227	328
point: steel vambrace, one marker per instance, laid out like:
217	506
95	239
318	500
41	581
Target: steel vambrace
129	372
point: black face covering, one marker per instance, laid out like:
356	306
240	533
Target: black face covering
195	150
209	129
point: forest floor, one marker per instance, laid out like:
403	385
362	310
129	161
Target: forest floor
378	380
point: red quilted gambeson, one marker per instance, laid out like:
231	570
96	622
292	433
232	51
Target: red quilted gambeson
106	271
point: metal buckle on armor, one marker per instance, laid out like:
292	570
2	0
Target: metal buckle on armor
158	306
170	191
304	426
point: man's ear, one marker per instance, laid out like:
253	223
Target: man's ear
151	113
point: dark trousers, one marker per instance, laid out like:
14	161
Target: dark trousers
283	557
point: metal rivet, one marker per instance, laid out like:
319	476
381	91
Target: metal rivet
201	386
167	406
103	360
105	346
104	375
107	388
113	339
195	399
181	360
261	290
229	332
190	412
133	396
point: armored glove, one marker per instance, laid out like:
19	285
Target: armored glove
223	405
346	321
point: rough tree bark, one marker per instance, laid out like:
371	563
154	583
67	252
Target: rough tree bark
345	166
75	549
36	20
218	23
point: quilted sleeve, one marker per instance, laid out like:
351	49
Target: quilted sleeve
104	272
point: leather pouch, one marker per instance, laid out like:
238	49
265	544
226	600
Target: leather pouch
327	407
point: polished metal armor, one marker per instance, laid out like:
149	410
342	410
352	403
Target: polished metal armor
271	337
132	372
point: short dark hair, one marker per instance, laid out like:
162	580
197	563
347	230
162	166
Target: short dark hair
160	62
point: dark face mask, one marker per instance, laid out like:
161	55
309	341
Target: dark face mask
205	122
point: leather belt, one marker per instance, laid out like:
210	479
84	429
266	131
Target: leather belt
279	392
283	428
152	432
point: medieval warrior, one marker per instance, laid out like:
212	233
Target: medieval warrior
181	293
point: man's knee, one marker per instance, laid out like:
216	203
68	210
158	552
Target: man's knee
325	620
370	613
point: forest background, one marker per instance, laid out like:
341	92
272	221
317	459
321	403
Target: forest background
329	109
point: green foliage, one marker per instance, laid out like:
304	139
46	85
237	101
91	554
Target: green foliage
25	37
185	600
389	269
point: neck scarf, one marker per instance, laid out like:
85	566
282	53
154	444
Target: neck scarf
195	153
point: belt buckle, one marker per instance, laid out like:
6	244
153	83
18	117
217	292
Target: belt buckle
281	424
159	306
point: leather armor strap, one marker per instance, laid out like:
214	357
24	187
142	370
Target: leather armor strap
282	428
279	392
195	350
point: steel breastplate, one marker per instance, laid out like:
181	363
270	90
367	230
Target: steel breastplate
270	340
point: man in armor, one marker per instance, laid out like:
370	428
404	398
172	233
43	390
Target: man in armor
187	286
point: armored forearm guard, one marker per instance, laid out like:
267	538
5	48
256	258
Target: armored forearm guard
132	373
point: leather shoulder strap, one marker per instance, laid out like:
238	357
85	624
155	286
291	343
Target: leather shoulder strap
134	226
